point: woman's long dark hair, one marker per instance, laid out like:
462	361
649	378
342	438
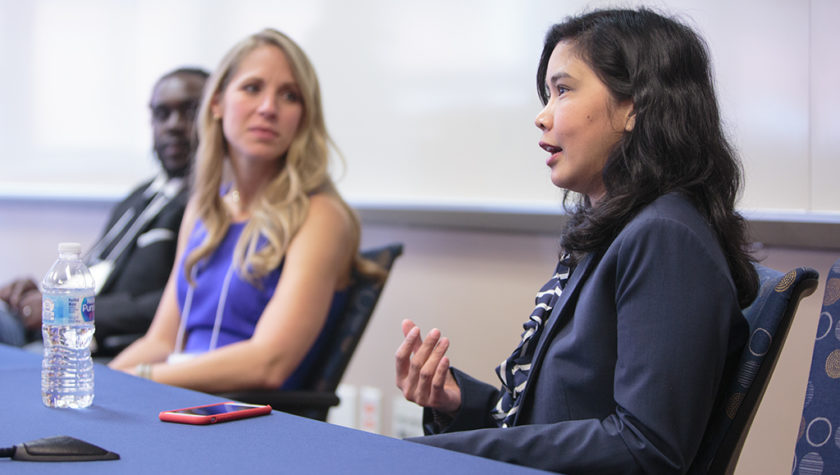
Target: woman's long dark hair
677	143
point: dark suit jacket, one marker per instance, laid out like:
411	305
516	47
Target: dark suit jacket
127	302
627	371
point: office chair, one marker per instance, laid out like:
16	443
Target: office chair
318	395
817	443
769	317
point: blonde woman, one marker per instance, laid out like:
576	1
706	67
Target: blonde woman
267	244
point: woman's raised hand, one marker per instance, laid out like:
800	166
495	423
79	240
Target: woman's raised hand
423	373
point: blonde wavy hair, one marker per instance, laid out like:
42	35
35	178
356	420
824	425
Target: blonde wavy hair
282	207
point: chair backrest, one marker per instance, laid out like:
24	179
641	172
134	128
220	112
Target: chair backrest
361	300
769	318
818	441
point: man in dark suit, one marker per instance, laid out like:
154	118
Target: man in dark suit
132	259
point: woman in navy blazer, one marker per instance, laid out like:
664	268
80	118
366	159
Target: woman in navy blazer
621	361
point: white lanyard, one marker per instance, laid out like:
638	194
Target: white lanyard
217	324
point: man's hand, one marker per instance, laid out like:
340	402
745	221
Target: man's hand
24	299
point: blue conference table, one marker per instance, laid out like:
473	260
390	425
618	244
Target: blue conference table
124	419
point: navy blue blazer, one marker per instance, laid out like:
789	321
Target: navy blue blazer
627	370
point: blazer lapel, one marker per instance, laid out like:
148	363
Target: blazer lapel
140	206
562	311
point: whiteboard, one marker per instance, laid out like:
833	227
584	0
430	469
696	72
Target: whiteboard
430	102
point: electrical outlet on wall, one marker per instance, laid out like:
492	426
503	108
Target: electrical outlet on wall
345	413
407	418
370	405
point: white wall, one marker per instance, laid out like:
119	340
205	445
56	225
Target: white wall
431	102
825	98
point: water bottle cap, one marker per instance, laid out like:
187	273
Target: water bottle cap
69	247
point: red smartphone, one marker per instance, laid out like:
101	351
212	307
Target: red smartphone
212	413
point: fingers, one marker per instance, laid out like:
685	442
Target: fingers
19	291
30	284
421	370
403	355
30	310
5	292
422	367
407	325
16	294
422	353
442	375
31	299
430	368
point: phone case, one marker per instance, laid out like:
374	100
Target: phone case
234	410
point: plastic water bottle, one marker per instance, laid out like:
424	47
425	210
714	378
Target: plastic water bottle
67	326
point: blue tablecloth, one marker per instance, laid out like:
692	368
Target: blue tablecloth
124	419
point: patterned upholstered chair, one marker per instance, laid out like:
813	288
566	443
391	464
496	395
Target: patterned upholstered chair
818	441
769	317
318	395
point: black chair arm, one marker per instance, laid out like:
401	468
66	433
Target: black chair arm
312	404
112	345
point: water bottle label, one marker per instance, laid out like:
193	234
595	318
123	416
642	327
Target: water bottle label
67	309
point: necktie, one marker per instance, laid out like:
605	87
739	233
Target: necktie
118	230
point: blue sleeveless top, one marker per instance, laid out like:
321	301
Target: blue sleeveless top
219	288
